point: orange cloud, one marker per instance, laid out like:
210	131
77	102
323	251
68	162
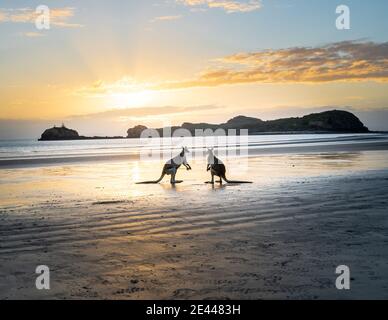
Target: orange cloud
342	61
32	34
144	112
101	88
58	16
166	18
229	6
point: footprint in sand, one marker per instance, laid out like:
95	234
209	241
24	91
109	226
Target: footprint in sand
183	293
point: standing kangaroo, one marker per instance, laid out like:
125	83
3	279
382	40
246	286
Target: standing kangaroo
217	168
171	167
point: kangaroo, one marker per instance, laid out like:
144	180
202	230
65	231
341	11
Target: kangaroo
217	168
171	167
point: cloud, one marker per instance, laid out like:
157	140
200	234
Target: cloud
230	6
341	61
166	18
32	34
101	88
128	113
58	16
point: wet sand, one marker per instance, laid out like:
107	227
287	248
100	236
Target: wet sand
103	237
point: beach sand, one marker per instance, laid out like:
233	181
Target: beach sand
103	237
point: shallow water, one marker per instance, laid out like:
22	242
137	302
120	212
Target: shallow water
27	152
115	180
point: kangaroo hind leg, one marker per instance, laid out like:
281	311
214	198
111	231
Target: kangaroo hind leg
212	181
173	174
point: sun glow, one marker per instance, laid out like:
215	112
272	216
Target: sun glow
132	99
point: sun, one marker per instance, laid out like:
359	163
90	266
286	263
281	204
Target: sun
132	99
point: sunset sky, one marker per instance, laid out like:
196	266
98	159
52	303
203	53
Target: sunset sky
105	66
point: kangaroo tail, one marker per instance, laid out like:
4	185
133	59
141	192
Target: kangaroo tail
234	181
152	182
148	182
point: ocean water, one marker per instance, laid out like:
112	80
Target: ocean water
25	152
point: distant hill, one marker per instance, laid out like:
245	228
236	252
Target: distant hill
329	121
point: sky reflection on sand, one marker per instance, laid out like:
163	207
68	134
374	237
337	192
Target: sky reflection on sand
116	180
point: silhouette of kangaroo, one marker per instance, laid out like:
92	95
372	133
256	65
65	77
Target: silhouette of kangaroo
217	168
171	167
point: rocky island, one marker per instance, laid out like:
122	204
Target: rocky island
59	133
335	121
62	133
